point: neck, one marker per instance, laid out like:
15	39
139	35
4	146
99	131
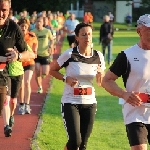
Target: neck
1	26
86	51
144	46
40	28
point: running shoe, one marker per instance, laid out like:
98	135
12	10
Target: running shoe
7	131
40	90
22	109
27	109
11	121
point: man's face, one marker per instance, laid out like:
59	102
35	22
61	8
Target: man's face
39	23
4	11
145	35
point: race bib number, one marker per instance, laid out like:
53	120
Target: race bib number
83	91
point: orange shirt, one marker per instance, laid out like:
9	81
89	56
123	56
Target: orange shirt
90	18
32	41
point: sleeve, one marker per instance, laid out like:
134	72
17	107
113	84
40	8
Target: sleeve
103	67
63	59
120	65
20	42
50	36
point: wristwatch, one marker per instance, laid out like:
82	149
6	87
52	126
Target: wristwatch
64	78
19	56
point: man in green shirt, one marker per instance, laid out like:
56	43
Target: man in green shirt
45	47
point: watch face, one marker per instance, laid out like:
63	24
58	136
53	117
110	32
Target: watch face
20	55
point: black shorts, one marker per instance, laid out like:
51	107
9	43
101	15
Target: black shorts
16	82
29	67
138	133
42	60
71	39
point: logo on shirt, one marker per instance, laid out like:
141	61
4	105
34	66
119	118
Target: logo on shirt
136	59
8	37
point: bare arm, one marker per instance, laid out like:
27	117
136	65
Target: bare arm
54	71
51	46
111	86
99	75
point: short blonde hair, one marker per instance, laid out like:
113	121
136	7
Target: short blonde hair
106	18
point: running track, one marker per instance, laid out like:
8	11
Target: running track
25	125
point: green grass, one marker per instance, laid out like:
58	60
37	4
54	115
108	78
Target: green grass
109	130
121	26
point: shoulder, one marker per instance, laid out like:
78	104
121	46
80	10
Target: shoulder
32	34
12	24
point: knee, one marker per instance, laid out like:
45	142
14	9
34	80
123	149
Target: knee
6	101
13	100
27	83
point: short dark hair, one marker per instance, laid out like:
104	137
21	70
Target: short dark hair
81	25
24	21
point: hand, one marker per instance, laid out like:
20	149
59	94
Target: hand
71	81
12	55
132	98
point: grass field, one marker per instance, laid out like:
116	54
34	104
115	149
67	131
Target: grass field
109	130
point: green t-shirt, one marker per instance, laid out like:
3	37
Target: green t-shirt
16	68
44	37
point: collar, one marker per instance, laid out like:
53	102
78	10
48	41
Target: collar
84	55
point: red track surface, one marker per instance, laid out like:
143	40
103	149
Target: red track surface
25	125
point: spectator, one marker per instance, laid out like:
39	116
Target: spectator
106	35
111	16
128	21
86	18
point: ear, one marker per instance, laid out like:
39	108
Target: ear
138	31
76	37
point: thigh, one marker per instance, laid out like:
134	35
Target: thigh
37	67
71	120
45	69
15	85
87	116
148	128
137	133
29	67
28	75
45	60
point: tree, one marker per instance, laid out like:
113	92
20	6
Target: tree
40	5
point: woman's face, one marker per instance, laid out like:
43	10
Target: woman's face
24	27
85	36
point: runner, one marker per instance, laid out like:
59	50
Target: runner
10	36
78	103
45	47
29	66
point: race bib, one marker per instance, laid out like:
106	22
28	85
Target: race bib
83	88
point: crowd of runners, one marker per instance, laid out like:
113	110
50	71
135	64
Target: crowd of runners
27	44
40	33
